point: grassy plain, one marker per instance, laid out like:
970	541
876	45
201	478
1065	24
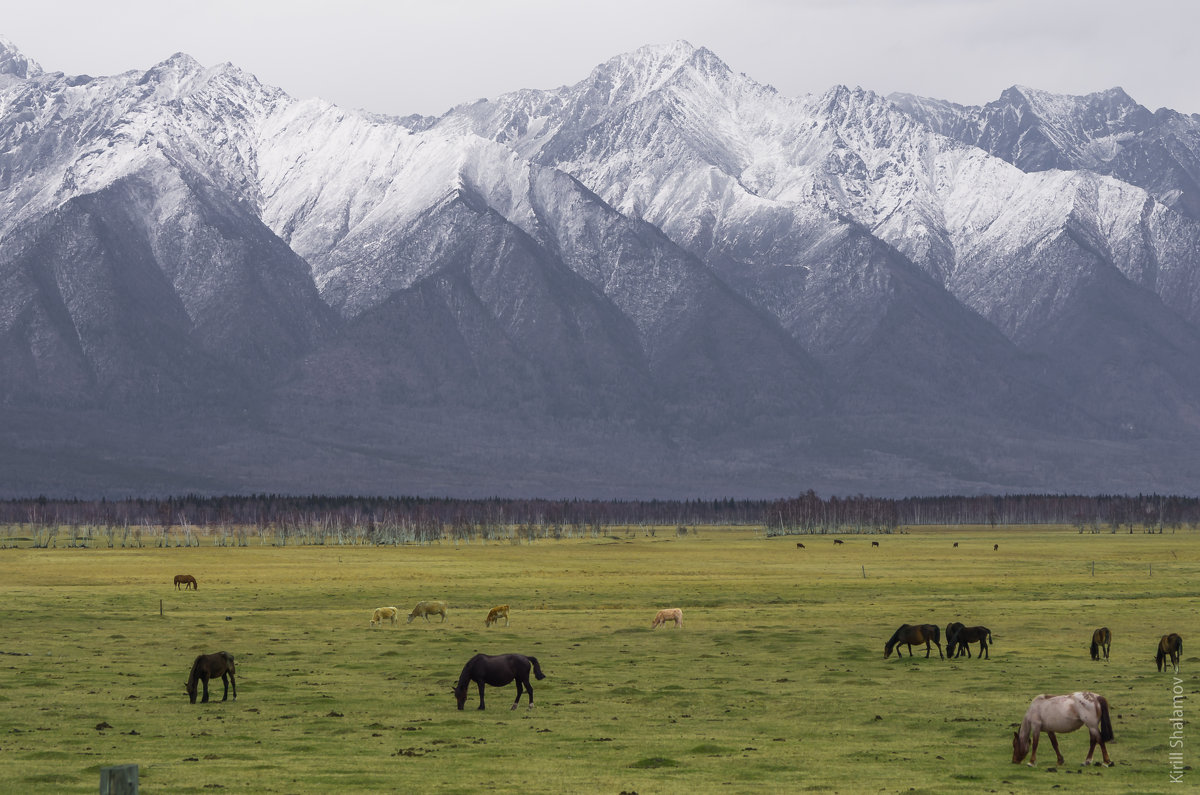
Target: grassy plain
776	683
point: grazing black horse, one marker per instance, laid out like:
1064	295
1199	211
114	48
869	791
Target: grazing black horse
1170	646
908	634
951	628
497	671
208	666
963	637
1101	640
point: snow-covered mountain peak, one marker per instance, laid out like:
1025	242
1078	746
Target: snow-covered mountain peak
630	77
14	63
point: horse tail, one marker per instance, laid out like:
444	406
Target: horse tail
937	633
537	669
1106	729
990	638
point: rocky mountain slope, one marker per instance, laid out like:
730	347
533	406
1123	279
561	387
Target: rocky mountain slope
666	279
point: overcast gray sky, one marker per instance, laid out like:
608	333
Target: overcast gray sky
410	56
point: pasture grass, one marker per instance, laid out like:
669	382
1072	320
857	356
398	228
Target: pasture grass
776	683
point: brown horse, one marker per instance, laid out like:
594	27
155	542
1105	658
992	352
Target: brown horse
1053	714
497	671
963	637
1101	640
908	634
1169	646
208	666
187	581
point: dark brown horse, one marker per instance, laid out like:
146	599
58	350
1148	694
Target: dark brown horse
908	634
963	637
951	628
187	581
1170	646
497	671
1101	640
208	666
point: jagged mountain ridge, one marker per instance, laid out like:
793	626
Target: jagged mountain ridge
666	260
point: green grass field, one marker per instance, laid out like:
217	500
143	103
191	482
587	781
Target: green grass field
776	683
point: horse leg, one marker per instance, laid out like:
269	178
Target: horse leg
1033	741
480	683
204	680
517	700
939	647
225	681
1058	753
233	682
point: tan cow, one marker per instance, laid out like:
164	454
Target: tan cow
669	614
385	613
495	614
427	609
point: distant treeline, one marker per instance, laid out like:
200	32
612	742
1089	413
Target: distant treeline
321	519
812	514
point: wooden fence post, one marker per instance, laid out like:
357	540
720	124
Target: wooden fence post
119	780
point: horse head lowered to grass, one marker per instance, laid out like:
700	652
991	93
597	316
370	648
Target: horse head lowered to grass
208	666
1169	646
1053	714
497	671
908	634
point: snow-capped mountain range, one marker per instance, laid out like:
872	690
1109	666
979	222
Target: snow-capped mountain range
664	280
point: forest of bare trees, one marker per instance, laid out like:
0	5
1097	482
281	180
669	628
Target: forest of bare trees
282	520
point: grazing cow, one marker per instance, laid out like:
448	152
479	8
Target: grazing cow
427	609
495	614
669	614
385	613
800	546
874	543
187	580
838	541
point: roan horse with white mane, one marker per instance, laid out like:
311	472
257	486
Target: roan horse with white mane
1053	714
385	614
669	614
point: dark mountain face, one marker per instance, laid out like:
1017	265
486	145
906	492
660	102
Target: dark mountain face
666	280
